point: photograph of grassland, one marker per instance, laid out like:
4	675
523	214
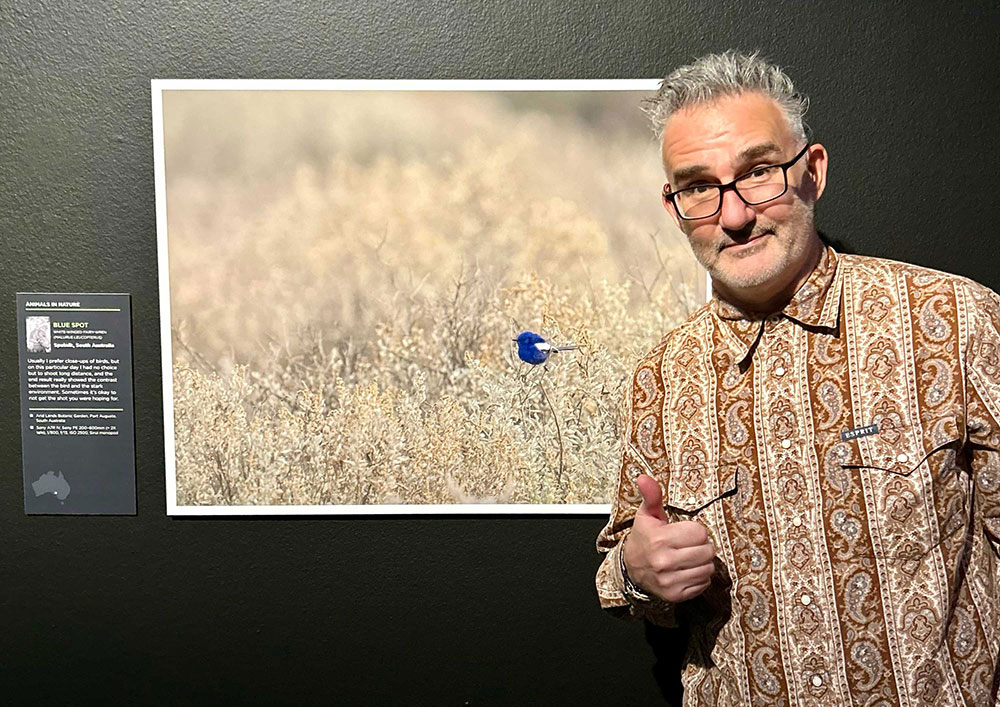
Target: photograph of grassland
347	269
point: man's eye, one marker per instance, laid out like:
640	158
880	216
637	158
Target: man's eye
759	172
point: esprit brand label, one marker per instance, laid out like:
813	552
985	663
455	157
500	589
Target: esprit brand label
859	432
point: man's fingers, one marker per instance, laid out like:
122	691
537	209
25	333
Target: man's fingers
693	591
688	533
689	557
652	498
691	577
686	584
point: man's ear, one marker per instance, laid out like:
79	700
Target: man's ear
669	206
818	159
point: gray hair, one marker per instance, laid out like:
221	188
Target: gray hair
731	73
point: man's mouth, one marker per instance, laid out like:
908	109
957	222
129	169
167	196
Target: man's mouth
748	241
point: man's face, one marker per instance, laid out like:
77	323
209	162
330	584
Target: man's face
752	252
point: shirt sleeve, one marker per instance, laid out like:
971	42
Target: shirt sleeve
643	399
983	413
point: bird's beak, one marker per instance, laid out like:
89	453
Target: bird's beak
513	339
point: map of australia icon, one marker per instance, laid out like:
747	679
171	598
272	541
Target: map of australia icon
50	483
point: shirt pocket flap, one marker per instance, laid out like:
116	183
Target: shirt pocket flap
694	487
901	450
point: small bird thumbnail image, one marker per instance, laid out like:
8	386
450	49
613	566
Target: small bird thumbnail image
533	349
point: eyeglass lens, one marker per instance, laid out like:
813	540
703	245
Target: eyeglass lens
758	186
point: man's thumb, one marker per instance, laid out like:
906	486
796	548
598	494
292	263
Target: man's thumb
652	498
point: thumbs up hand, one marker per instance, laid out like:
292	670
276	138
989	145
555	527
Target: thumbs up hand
674	561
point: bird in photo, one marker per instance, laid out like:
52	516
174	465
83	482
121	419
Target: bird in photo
533	349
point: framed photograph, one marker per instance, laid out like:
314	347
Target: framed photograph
347	272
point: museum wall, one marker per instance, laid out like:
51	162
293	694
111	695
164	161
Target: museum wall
378	610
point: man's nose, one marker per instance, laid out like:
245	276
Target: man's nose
735	213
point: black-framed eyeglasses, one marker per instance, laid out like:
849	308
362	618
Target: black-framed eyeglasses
759	185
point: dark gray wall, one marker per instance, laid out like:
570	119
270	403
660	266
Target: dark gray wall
435	611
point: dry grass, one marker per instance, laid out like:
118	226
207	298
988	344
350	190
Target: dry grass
347	272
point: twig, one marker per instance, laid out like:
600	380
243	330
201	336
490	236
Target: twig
196	355
290	402
659	259
558	434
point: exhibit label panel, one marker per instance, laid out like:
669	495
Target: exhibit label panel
77	430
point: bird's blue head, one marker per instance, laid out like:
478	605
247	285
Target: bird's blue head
527	338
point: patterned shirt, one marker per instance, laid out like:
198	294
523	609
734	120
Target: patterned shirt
844	456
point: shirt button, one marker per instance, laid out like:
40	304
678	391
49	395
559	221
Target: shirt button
903	458
806	600
786	443
817	680
691	500
796	521
779	371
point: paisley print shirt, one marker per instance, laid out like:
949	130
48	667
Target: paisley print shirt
844	456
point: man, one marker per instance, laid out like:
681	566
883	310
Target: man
811	469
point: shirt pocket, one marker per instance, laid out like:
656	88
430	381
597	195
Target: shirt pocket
917	489
693	489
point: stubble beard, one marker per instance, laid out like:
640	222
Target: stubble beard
789	245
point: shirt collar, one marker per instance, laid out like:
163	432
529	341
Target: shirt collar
816	304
